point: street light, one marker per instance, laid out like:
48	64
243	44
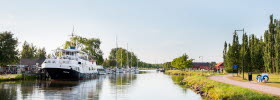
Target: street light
242	54
201	57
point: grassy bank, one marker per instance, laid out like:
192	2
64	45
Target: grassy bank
274	79
10	77
142	68
199	82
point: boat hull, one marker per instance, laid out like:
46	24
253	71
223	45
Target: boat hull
67	74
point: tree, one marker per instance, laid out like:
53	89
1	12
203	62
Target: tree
109	63
277	47
167	65
182	62
245	59
28	51
233	54
89	45
41	53
225	53
8	51
123	57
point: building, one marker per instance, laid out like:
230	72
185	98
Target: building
25	65
31	65
201	65
219	67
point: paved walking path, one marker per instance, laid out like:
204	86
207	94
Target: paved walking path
250	85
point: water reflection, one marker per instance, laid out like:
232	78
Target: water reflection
8	91
146	85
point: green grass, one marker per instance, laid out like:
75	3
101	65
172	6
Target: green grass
274	79
190	73
217	90
9	77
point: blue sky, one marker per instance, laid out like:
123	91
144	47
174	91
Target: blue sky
156	30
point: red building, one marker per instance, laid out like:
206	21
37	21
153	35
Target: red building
201	65
219	67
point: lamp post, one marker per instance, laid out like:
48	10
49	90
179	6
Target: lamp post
242	54
201	57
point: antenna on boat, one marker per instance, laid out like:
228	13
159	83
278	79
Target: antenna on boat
72	35
73	30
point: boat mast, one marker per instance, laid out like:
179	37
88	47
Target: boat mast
121	57
116	51
137	62
131	58
127	62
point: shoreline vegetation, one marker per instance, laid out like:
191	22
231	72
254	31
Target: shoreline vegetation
199	82
13	77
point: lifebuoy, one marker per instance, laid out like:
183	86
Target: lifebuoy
265	77
258	76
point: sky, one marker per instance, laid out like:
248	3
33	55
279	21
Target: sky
155	30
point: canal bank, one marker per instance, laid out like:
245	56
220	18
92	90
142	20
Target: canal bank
14	77
200	83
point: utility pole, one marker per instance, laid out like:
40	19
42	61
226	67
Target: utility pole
242	54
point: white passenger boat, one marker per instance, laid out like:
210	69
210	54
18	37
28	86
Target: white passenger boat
70	64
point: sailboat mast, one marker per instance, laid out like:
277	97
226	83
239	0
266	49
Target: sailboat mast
131	58
127	62
121	58
116	52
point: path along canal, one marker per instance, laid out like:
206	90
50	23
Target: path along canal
147	85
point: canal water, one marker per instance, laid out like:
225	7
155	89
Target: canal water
146	85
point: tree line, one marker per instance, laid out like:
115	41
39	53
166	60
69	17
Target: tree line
253	53
121	57
30	51
181	62
9	54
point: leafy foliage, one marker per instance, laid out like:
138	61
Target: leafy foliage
89	45
255	54
123	58
30	51
182	62
8	51
167	65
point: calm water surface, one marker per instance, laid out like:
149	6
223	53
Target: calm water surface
147	85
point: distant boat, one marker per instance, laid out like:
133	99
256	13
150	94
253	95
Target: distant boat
70	64
120	70
101	70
